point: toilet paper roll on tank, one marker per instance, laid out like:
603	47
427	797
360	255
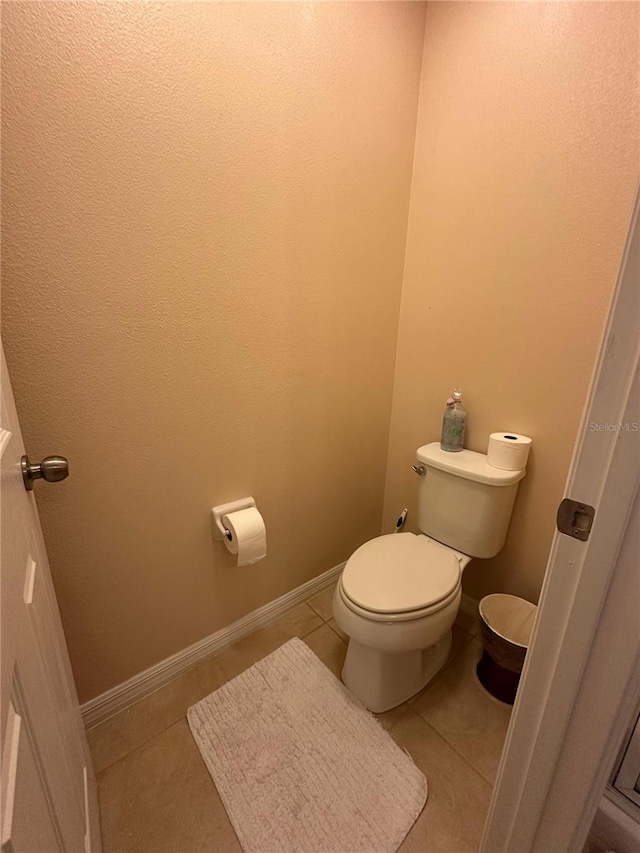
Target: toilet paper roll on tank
508	450
241	527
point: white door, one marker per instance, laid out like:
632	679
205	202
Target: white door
48	794
581	680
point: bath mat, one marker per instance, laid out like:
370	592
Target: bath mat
301	766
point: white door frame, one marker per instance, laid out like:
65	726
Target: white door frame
581	680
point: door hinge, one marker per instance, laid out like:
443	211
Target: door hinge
575	519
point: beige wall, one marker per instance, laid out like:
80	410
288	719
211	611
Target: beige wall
203	256
203	262
525	168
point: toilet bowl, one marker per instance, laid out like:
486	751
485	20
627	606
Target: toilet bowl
398	595
397	600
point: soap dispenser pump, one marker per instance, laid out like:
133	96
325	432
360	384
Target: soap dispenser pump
454	423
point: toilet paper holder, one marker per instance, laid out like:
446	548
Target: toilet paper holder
219	530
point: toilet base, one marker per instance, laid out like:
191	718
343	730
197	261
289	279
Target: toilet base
381	680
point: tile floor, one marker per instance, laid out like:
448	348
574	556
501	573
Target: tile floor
156	794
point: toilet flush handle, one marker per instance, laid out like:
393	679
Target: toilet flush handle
419	469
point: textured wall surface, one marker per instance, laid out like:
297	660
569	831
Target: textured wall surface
205	220
526	164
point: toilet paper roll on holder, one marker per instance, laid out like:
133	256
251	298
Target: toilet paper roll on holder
219	530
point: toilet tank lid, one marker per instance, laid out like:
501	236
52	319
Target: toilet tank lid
467	464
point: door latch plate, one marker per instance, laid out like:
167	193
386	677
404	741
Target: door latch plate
575	519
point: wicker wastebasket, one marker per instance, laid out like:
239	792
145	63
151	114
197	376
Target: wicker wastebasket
506	623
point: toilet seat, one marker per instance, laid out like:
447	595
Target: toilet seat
399	577
400	616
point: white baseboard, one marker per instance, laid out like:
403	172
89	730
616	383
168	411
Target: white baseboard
123	695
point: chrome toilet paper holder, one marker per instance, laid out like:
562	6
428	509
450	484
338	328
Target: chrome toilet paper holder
219	530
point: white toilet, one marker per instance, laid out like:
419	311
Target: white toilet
398	595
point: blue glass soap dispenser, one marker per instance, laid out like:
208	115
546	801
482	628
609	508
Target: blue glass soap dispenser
454	423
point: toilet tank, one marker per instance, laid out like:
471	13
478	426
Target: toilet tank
463	501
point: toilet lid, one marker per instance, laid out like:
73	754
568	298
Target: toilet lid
400	572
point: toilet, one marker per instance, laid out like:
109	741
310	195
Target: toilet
399	594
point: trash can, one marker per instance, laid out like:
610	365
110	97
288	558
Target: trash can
506	623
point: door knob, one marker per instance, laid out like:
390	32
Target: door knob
52	469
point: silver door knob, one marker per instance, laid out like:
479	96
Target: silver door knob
52	469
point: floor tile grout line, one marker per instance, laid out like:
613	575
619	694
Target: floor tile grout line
325	619
457	751
454	748
306	633
324	625
329	625
141	745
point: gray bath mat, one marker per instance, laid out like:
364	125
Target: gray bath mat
300	765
